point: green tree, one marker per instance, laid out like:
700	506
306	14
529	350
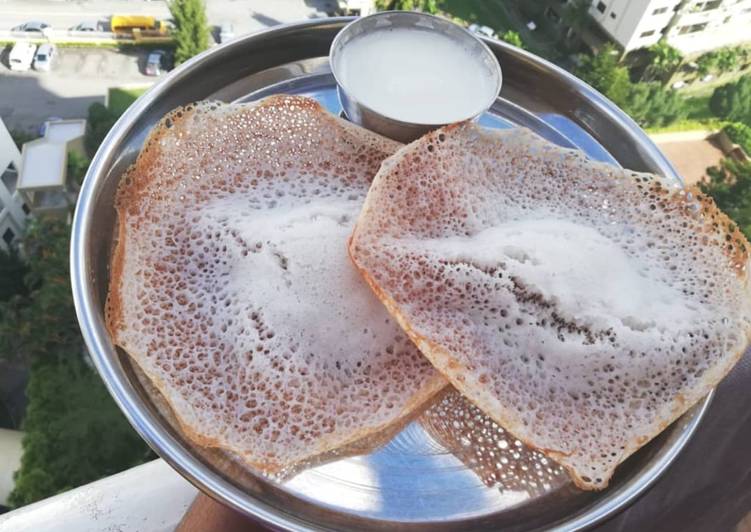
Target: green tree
606	74
576	17
707	63
649	104
427	6
12	273
652	105
664	60
98	124
513	38
727	59
733	101
730	187
41	320
191	32
77	167
74	432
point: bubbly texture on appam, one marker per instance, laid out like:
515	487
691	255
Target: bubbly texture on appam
583	307
232	290
499	459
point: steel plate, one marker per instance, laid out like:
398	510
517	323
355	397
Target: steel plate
413	482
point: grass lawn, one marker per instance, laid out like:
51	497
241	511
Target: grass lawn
120	99
711	124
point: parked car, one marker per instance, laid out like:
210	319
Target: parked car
33	26
86	26
45	56
21	56
157	62
482	30
226	32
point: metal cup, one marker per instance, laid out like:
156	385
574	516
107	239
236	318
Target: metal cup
371	119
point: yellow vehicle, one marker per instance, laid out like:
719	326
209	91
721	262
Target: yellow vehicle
128	23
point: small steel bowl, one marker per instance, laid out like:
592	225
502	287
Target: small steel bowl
391	127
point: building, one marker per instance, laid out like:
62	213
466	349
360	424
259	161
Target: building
691	26
13	210
43	180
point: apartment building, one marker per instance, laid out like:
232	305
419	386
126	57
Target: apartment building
692	26
13	209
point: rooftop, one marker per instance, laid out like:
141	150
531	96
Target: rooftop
43	164
43	161
64	130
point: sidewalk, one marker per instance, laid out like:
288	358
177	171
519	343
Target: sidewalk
691	152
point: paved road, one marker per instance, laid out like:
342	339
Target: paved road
245	15
80	78
83	76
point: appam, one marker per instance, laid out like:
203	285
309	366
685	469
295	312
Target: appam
232	291
581	306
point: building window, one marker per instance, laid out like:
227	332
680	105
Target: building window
612	15
8	236
660	11
647	33
601	7
693	28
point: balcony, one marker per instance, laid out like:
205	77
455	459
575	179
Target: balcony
148	498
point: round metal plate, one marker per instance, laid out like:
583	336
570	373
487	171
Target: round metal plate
413	482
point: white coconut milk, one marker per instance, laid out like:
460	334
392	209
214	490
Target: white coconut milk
415	75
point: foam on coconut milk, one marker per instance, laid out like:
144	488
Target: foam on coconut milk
414	75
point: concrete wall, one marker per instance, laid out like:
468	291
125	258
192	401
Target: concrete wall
148	498
10	461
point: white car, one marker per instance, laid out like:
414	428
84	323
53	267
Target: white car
21	56
45	56
33	26
487	31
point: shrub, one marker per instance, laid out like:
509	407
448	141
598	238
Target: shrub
730	186
739	134
733	101
74	432
513	38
